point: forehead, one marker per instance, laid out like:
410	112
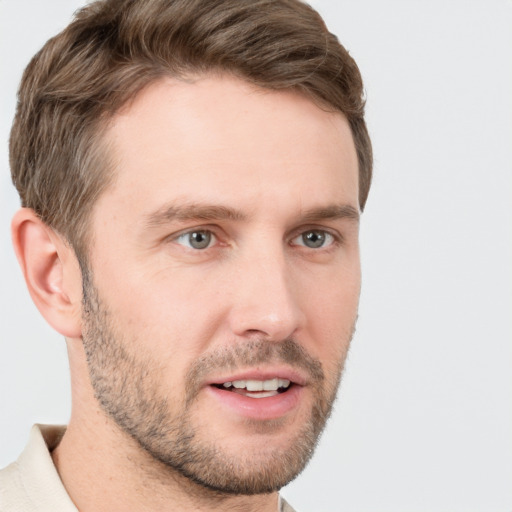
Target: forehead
221	138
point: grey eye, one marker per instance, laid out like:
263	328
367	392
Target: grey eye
196	239
314	239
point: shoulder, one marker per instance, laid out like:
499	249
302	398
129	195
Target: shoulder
12	492
284	506
32	483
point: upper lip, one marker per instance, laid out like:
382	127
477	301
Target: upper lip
291	374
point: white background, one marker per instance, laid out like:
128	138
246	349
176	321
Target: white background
424	418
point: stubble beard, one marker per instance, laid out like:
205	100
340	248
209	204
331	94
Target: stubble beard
126	389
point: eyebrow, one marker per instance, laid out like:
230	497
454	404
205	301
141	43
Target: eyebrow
332	212
196	211
192	212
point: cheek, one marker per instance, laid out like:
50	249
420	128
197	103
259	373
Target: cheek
332	313
168	315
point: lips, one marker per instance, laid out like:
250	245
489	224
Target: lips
259	395
276	380
257	388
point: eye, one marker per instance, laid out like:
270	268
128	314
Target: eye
314	239
200	239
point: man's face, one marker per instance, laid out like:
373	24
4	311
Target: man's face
224	279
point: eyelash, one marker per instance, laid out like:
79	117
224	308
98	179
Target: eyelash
332	239
209	232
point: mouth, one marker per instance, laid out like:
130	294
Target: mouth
252	388
259	394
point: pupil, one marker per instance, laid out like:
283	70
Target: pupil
313	239
200	239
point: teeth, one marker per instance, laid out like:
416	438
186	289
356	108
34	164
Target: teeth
259	385
270	385
264	394
254	385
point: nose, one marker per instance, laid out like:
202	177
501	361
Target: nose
267	298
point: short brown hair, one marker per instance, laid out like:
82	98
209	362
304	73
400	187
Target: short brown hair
115	48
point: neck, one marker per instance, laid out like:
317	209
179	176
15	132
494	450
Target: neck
103	469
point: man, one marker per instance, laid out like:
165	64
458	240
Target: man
191	175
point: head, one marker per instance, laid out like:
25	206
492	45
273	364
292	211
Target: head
113	49
205	163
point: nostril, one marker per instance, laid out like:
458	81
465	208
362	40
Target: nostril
253	331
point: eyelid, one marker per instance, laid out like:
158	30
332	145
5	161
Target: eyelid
316	227
187	242
337	238
207	229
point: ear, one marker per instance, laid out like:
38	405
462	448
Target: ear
51	271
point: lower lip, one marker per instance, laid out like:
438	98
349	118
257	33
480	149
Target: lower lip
269	408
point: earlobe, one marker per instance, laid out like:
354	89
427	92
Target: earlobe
51	272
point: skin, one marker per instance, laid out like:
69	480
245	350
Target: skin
187	153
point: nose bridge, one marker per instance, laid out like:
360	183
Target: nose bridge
266	302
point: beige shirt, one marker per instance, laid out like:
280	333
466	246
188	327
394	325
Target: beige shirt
32	482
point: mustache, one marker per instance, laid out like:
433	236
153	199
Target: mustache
252	353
